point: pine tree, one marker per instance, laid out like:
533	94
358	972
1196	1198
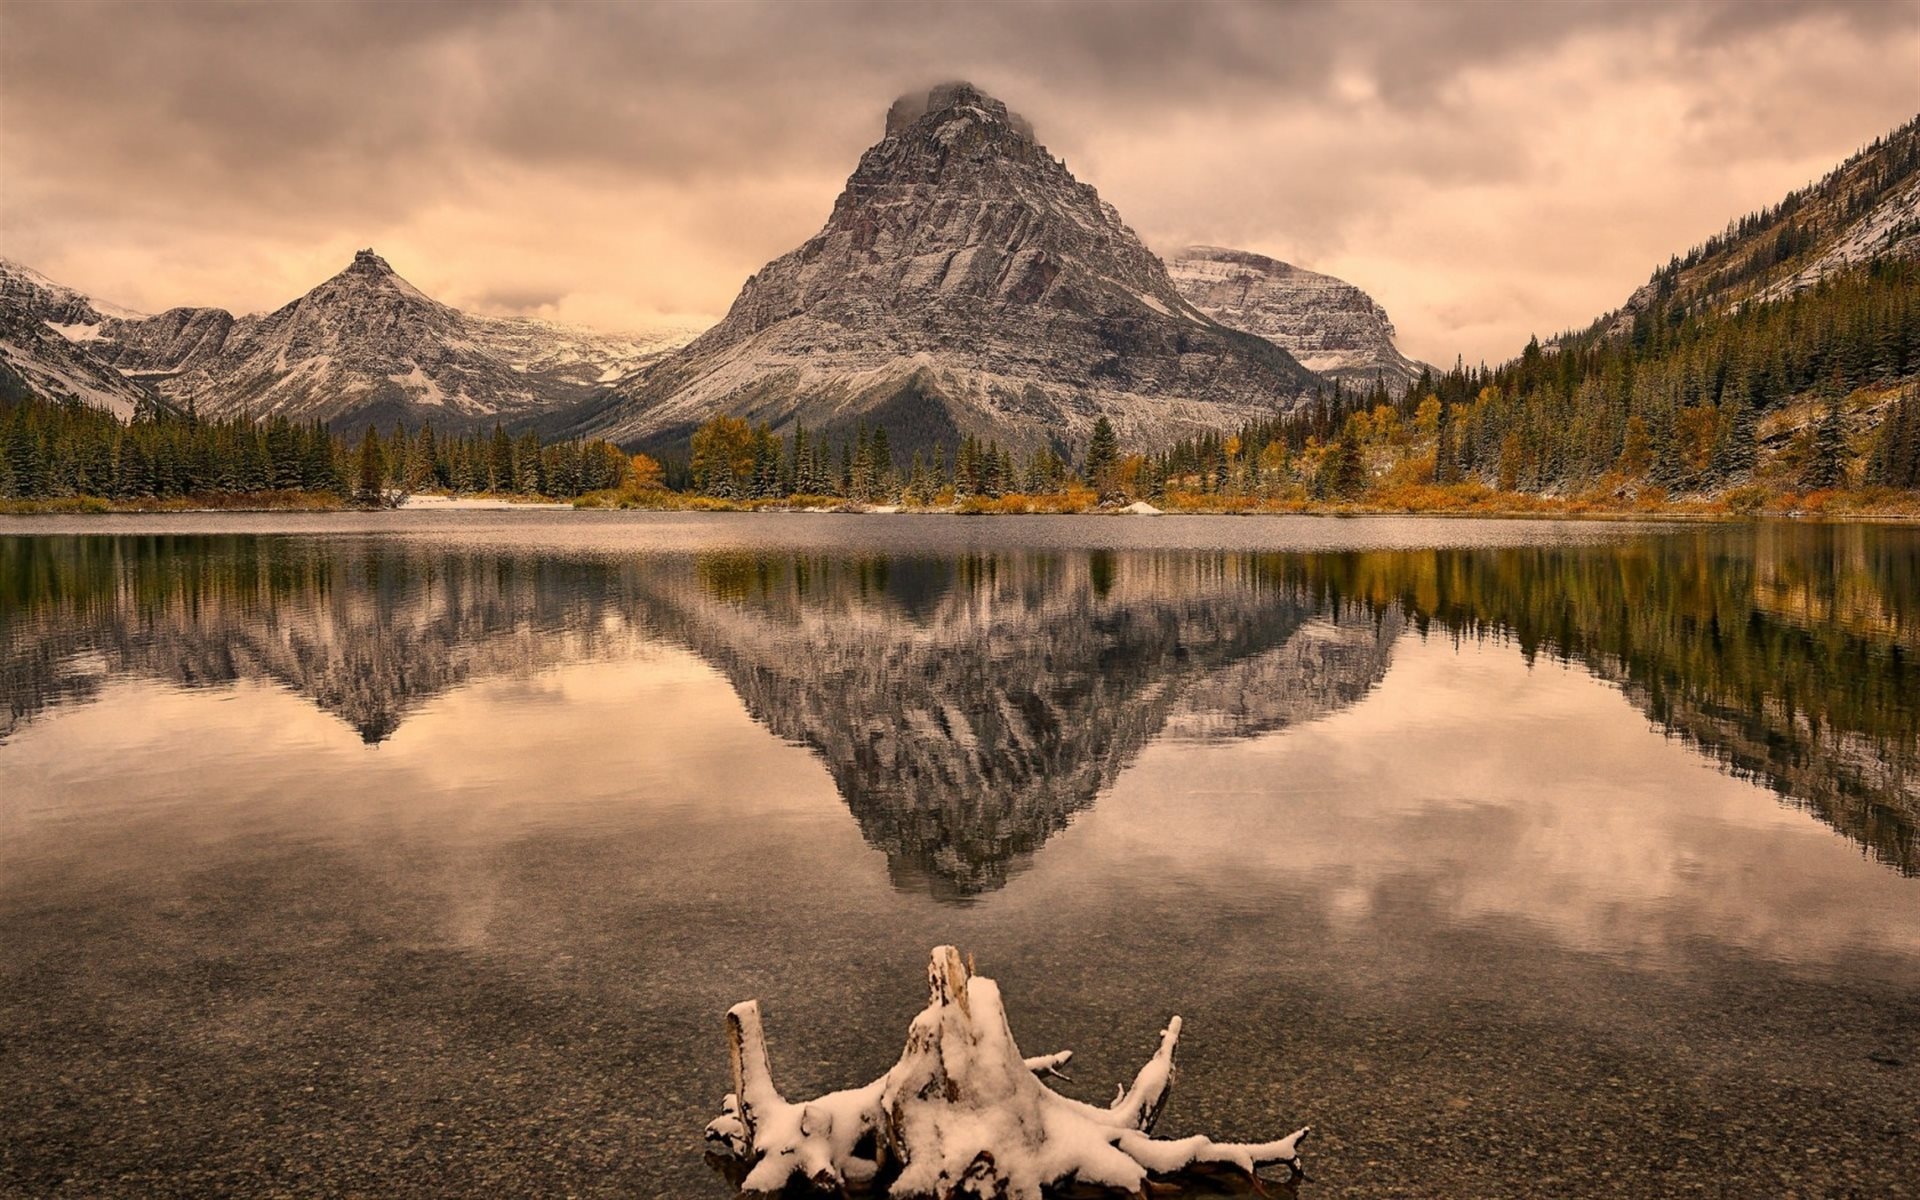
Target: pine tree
526	464
1734	453
1826	464
319	471
917	480
793	473
1896	453
860	475
500	477
283	458
880	462
369	470
1343	472
135	469
1103	459
966	469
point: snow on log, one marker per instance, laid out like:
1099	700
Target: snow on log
961	1114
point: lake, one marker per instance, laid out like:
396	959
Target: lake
411	854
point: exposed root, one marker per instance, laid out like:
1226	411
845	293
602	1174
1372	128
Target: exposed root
962	1114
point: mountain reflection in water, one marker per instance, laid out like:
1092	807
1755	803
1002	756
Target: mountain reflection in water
967	705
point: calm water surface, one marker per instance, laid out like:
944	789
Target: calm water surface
420	854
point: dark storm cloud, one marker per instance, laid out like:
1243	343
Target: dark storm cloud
632	161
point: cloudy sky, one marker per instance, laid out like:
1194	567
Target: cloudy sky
1485	170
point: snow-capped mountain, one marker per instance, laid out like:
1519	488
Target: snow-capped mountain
965	282
71	312
45	328
1331	326
366	345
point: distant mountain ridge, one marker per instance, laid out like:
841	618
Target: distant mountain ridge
965	283
1332	327
365	346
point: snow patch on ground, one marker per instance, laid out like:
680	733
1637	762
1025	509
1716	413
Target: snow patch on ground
60	381
420	383
1872	235
468	503
76	332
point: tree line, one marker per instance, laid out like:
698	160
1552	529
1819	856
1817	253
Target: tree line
59	449
732	458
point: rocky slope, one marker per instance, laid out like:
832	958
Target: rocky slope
23	289
965	282
1328	324
365	346
44	332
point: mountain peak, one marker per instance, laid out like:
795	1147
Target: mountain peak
366	262
370	275
965	283
945	102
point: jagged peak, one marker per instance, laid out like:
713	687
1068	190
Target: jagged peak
369	270
944	101
366	262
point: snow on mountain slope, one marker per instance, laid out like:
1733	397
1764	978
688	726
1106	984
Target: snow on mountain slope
582	356
1891	228
35	359
366	345
1331	326
1864	210
44	328
25	289
965	282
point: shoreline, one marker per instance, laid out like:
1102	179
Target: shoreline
1871	505
1623	516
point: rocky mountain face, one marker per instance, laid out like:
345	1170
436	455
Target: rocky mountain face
1329	325
365	346
45	329
965	282
27	291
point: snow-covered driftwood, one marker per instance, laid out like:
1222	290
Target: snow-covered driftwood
962	1114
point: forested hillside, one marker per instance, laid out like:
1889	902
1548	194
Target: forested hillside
1866	209
1780	357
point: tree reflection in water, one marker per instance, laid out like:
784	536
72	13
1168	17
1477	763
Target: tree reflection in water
967	706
